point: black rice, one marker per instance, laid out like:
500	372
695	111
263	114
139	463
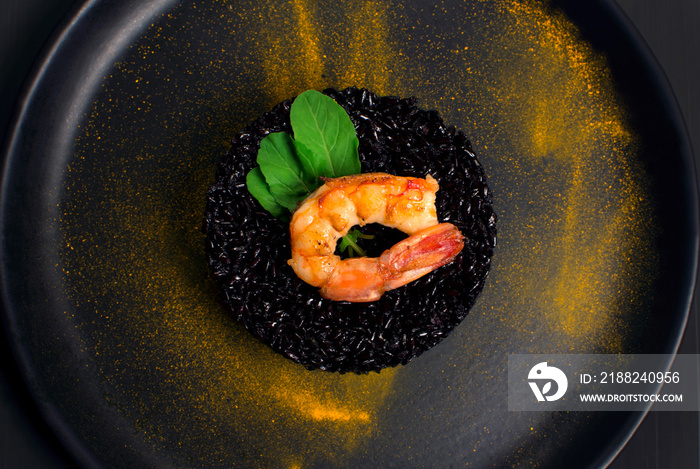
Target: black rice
248	249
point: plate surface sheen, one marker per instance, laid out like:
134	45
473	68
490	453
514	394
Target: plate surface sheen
116	322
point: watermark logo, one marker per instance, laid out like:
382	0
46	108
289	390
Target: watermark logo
603	382
548	375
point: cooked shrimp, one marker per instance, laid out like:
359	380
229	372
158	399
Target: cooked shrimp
404	203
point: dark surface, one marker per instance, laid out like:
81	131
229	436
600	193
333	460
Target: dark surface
25	29
672	29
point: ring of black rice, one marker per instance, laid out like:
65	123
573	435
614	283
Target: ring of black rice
248	249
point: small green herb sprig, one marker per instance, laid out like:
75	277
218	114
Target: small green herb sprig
324	144
348	243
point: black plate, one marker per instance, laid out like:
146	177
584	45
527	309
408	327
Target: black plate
115	322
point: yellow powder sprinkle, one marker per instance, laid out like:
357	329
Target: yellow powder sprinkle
293	61
315	52
368	31
568	107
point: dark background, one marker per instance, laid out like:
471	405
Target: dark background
671	28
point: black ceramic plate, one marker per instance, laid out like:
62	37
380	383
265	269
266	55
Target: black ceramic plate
115	321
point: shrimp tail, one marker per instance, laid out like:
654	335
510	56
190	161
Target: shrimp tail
420	254
366	279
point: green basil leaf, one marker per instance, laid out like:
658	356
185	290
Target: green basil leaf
288	182
308	159
323	127
325	145
258	187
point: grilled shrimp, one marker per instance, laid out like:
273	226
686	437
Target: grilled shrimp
404	203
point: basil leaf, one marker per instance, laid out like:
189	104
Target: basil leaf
307	160
288	182
325	129
261	191
325	145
